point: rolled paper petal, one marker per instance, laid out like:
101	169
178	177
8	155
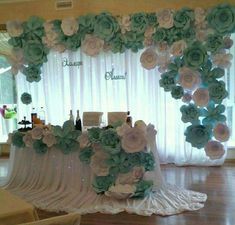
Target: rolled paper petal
201	97
221	132
214	149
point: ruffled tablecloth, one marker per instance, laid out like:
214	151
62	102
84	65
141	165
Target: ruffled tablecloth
58	182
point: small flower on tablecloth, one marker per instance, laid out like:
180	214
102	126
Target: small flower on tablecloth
28	140
17	139
40	147
122	129
201	97
92	45
121	191
221	132
94	134
143	188
165	18
26	98
49	139
149	59
214	149
178	47
37	133
134	140
85	154
102	183
14	28
83	140
69	26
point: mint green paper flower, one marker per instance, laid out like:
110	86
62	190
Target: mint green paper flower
105	26
143	188
222	19
160	35
213	114
102	184
175	65
214	43
17	139
33	28
195	56
32	73
190	113
184	18
94	134
167	80
26	98
139	22
177	92
147	161
189	34
73	42
40	147
217	91
109	138
198	135
152	19
35	52
16	42
133	41
118	44
86	23
85	154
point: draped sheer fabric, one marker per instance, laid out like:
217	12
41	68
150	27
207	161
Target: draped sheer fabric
85	88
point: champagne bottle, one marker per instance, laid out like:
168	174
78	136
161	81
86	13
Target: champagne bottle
33	117
78	124
129	119
41	115
71	116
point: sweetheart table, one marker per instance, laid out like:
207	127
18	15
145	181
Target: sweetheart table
58	182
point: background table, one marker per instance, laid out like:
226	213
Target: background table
14	210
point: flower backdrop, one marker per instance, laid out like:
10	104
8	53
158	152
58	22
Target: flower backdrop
189	47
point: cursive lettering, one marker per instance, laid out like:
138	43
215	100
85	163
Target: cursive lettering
110	76
66	62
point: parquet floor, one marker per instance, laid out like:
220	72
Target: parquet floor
217	182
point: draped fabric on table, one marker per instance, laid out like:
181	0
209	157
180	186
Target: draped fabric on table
85	88
58	182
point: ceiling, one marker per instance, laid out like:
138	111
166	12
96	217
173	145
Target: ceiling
14	1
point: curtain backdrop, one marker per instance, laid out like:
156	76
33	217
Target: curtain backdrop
85	88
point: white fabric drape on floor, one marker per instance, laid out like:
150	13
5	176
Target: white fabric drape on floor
85	88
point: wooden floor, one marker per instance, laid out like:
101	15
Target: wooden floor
217	182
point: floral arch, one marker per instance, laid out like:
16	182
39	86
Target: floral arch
189	47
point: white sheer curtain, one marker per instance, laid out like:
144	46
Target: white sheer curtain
85	88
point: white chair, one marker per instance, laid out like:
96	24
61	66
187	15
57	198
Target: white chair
69	219
91	119
114	117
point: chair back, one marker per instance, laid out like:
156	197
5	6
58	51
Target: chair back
69	219
90	119
114	117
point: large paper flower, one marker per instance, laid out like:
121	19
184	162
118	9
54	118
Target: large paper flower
222	18
178	48
14	28
134	140
165	18
83	140
149	59
167	81
214	149
195	56
214	43
177	92
17	139
190	113
222	60
110	141
217	91
160	35
92	45
69	26
201	97
98	165
37	133
139	22
198	135
120	191
221	132
105	26
28	140
49	139
189	79
124	23
183	18
35	52
32	73
26	98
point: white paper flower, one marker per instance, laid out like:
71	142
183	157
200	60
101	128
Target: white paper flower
83	140
98	165
49	139
189	79
200	16
221	132
148	42
222	60
48	26
92	45
163	61
214	149
201	97
28	140
50	40
69	26
121	191
59	48
122	129
162	46
14	28
149	31
178	47
165	18
134	140
124	23
37	133
149	59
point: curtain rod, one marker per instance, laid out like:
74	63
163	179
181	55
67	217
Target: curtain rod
3	27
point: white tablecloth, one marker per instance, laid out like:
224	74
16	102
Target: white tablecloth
58	182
